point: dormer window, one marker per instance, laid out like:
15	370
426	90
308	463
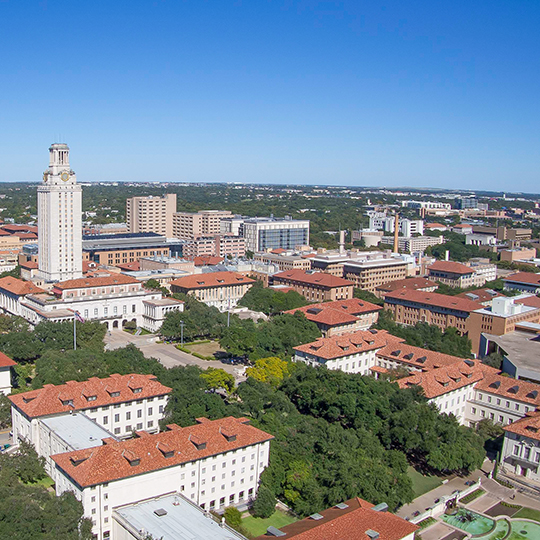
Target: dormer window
132	458
396	353
514	389
77	460
68	402
137	390
165	449
445	383
115	394
91	398
199	443
422	359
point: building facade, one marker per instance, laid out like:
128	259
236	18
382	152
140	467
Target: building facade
215	463
151	214
59	205
190	226
315	286
262	234
222	290
215	246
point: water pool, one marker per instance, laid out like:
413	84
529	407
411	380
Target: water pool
502	528
524	530
470	522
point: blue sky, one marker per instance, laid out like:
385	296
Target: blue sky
400	93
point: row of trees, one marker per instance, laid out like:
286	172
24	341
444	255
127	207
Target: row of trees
427	336
275	337
271	301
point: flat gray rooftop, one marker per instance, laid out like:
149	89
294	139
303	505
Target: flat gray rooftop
521	348
176	519
77	430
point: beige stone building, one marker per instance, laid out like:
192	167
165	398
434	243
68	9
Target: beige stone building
151	214
189	225
316	286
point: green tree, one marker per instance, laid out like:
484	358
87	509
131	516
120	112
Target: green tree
494	360
233	517
265	503
218	378
271	301
5	412
368	297
154	284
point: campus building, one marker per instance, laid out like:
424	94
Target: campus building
190	226
59	206
214	463
341	316
6	365
151	214
352	519
528	282
267	233
315	286
120	403
214	246
218	289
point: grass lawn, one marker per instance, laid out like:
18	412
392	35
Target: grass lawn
46	482
206	349
258	526
528	513
422	484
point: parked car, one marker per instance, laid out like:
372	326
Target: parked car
417	513
469	482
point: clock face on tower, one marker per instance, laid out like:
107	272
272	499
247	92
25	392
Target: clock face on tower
64	176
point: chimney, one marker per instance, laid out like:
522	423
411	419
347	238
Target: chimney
342	242
447	255
396	233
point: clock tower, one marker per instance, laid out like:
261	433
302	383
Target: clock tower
59	206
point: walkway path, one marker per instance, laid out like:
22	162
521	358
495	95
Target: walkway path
166	354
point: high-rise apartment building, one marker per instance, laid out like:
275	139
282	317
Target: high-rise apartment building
151	214
189	225
59	205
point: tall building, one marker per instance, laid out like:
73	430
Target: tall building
263	233
151	214
59	219
190	226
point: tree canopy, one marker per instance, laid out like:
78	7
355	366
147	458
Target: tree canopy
271	301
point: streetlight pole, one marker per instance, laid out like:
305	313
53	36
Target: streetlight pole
182	333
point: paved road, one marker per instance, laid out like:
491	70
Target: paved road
5	438
168	355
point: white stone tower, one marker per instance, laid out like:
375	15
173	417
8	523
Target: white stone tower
59	206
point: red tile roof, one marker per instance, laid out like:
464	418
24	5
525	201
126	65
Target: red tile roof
88	266
423	359
212	279
417	283
529	426
434	299
531	301
11	228
451	267
334	347
18	286
53	399
82	283
320	279
518	389
338	312
349	523
462	226
484	295
434	226
6	361
209	260
134	266
30	265
146	453
440	381
528	278
27	236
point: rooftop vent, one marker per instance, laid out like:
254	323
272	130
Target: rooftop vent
373	331
272	531
342	506
381	507
470	363
374	535
314	311
160	512
316	516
